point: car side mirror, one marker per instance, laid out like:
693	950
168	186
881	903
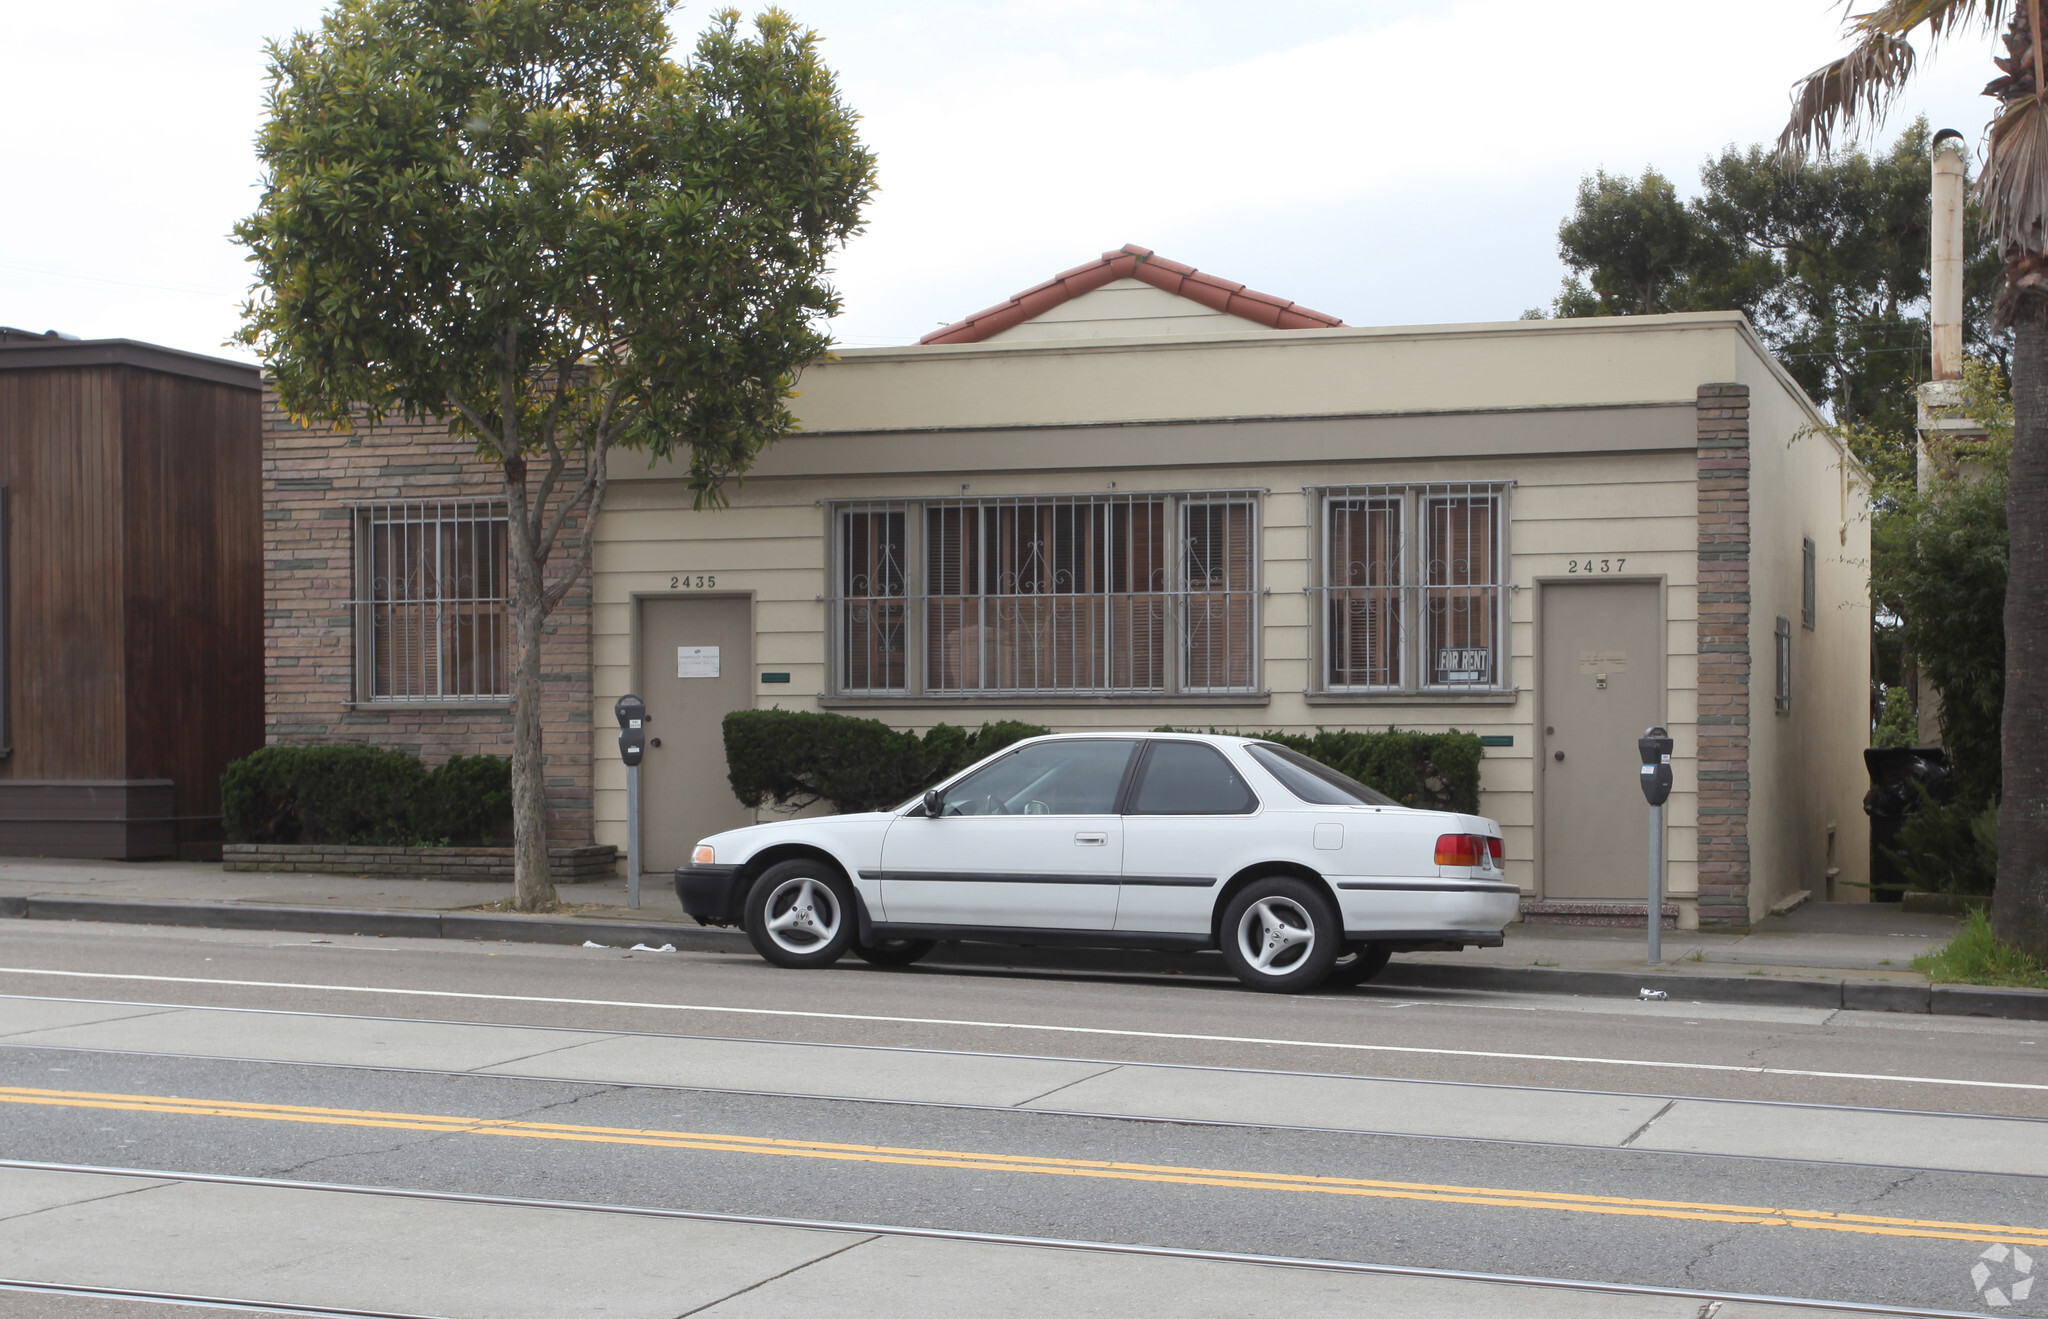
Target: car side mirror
934	803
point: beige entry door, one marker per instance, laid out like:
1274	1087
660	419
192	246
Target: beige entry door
695	665
1603	684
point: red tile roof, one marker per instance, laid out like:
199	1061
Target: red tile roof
1133	262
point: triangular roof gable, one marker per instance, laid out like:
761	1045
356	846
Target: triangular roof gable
1134	262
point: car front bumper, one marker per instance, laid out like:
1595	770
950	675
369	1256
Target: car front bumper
711	895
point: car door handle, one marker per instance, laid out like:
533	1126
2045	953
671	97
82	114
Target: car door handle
1091	840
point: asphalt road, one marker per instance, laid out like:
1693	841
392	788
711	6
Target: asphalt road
355	1126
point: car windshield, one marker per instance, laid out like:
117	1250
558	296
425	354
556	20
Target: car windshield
1314	782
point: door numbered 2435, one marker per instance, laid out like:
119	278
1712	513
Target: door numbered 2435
702	581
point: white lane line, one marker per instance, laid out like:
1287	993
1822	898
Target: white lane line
1733	1068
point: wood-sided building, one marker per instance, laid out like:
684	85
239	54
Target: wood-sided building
131	594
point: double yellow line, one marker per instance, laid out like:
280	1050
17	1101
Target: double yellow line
970	1161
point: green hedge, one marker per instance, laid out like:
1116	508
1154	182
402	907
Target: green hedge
1436	771
794	758
365	795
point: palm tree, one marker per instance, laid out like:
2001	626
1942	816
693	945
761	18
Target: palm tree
2013	190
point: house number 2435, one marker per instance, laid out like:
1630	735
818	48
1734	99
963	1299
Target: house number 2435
693	582
1594	565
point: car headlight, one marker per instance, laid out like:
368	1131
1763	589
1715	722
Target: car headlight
703	856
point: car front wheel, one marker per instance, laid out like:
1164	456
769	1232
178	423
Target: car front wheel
1281	934
801	914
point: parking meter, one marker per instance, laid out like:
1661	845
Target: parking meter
632	715
1655	746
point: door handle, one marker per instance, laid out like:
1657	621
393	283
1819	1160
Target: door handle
1557	756
1091	840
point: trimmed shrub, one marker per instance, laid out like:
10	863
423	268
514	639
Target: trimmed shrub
1434	771
356	794
797	757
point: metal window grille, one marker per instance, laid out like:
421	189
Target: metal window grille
1067	595
1809	585
1784	653
1413	586
432	602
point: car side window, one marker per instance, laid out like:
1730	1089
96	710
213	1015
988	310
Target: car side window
1189	778
1051	778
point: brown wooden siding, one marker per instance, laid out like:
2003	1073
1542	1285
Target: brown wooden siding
60	457
192	497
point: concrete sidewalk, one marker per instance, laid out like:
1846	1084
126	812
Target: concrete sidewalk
1853	955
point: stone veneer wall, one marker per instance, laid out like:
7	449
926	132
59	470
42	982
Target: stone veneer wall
311	479
1722	417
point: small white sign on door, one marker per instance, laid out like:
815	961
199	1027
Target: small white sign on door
696	661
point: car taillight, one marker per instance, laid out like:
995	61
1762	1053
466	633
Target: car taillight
1458	849
1493	846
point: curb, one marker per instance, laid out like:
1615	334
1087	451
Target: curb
1856	995
341	920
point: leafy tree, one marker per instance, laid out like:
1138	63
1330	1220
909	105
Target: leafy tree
2014	194
525	218
1828	260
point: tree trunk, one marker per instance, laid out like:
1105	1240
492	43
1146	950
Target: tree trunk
533	889
2019	910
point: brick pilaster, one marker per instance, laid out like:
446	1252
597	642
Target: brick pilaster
1722	418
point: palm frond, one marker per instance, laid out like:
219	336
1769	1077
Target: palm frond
1858	86
1941	18
2014	186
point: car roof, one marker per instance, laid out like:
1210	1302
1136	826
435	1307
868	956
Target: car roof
1219	739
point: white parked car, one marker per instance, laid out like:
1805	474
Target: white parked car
1300	875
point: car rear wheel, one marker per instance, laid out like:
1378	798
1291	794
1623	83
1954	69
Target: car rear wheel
1360	963
893	952
801	914
1281	934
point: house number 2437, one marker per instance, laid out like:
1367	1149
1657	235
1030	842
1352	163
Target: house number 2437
1594	565
693	582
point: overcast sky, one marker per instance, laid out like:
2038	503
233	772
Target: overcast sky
1387	161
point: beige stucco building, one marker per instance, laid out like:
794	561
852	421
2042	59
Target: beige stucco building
1137	495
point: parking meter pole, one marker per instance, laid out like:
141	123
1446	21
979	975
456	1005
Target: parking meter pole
633	837
1656	921
632	716
1655	748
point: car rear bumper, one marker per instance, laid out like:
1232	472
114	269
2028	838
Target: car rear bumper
1427	912
711	895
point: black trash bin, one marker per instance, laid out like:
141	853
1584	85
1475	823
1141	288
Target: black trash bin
1896	776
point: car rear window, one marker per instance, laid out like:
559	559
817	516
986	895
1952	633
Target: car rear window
1313	781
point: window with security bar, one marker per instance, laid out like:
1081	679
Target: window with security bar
1412	587
1059	595
432	602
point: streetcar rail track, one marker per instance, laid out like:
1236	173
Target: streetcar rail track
937	1234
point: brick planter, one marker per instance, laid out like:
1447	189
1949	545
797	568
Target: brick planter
566	865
